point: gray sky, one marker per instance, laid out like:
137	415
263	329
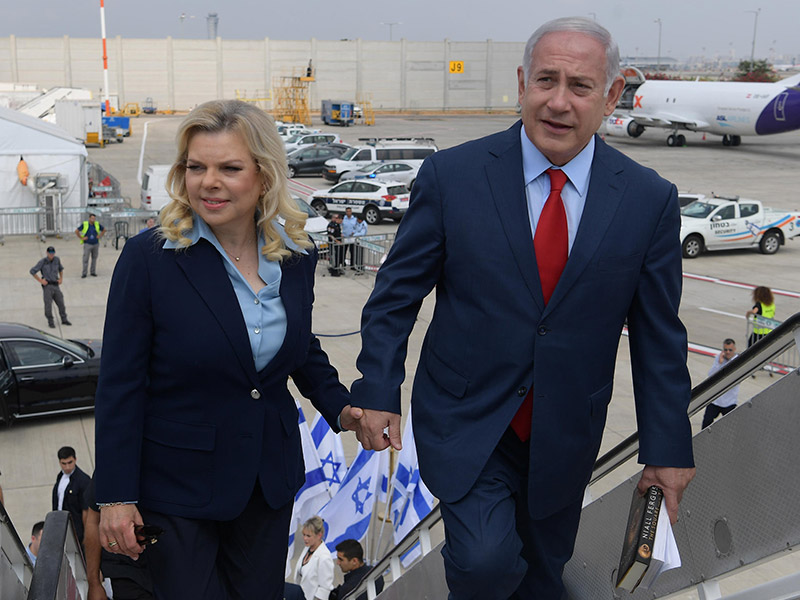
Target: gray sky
689	27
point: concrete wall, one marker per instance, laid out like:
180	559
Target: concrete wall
181	73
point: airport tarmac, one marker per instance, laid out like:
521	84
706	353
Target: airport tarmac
763	168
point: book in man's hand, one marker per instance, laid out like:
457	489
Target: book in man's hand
650	547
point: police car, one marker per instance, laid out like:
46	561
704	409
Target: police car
721	222
375	200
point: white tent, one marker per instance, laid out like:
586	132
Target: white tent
46	148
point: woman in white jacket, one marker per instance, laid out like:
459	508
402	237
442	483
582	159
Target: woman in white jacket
314	569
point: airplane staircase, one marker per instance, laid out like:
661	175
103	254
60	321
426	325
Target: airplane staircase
60	571
740	510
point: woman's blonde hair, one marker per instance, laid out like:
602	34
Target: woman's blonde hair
261	137
315	525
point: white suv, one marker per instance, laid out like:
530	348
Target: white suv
408	150
375	200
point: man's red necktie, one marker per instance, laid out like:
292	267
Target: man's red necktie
551	243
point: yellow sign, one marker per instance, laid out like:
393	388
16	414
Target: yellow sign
456	66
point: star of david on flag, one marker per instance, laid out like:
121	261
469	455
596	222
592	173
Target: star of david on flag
349	513
330	451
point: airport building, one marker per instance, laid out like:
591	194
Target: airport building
179	74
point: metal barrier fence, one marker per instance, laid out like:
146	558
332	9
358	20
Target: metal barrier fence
120	222
757	328
363	254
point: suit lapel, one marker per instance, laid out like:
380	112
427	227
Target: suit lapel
506	181
606	188
205	271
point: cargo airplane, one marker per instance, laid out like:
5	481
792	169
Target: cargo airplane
726	108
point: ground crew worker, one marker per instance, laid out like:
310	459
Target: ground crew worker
89	233
764	306
52	274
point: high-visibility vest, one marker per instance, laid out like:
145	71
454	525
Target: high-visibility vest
768	312
85	228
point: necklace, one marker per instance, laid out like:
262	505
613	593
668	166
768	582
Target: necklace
229	253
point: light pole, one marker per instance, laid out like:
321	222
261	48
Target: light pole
658	63
755	27
182	18
391	24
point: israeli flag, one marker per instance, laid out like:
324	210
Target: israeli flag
314	494
411	499
348	514
330	452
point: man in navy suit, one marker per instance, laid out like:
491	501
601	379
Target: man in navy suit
516	371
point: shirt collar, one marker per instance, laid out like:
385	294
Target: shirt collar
534	163
200	229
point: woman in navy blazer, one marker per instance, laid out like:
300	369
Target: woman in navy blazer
207	317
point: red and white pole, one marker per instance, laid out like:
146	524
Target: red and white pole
105	56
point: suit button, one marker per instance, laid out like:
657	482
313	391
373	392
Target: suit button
522	391
255	394
542	330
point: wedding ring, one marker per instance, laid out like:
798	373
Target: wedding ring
112	543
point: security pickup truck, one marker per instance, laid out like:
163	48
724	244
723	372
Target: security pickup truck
719	222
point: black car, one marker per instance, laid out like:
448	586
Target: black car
42	374
311	159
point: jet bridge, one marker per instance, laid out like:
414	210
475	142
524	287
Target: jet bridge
739	511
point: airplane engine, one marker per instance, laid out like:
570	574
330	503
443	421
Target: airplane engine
623	126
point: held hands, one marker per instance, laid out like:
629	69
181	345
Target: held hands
672	480
370	425
116	529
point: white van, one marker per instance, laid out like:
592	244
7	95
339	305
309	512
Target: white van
154	194
409	150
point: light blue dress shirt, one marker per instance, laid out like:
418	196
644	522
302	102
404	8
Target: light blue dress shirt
360	229
263	311
348	226
537	183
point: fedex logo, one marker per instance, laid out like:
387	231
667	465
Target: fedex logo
637	102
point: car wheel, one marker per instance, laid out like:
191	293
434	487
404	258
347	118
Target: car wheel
770	243
372	215
291	172
320	207
692	246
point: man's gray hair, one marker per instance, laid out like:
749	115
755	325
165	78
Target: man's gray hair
577	25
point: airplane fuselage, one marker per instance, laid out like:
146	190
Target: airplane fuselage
723	108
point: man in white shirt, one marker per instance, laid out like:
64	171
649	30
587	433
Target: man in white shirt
70	488
727	401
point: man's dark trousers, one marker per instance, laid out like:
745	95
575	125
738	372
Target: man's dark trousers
501	552
52	293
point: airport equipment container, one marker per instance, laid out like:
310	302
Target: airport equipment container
115	122
337	112
81	118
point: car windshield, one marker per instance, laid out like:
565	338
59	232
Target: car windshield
306	208
295	137
370	167
349	153
699	209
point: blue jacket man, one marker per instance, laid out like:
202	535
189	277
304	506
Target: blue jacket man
510	505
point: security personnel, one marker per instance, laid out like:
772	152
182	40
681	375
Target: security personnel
52	275
89	233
